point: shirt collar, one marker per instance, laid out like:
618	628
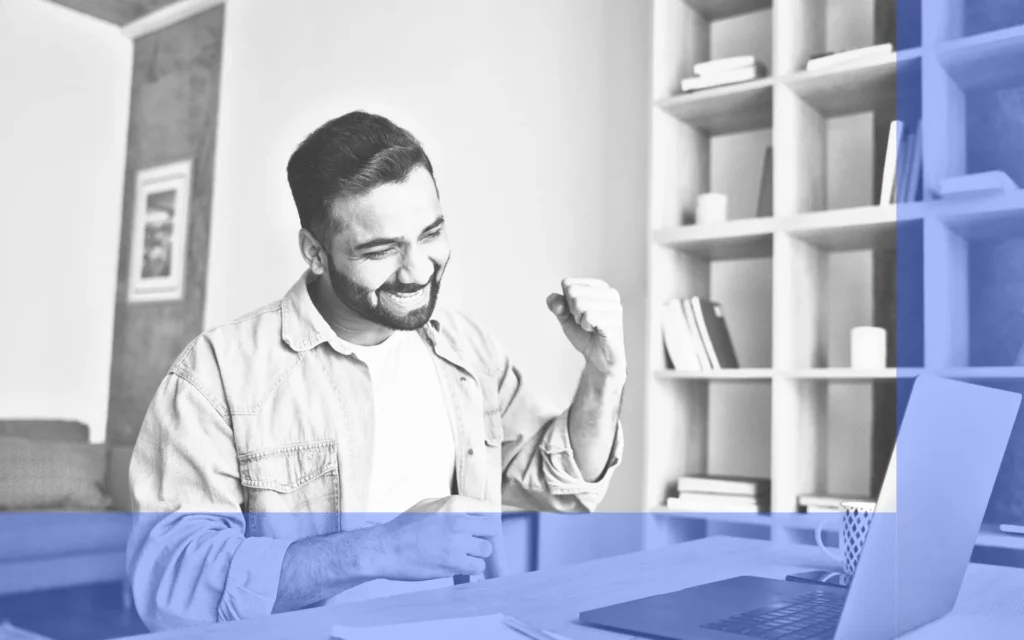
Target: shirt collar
303	327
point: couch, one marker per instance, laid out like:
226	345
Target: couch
64	545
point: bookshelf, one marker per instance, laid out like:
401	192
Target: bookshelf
778	275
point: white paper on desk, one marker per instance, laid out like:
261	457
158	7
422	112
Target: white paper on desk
491	627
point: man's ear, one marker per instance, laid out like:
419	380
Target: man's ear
312	252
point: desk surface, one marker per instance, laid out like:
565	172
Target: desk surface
991	602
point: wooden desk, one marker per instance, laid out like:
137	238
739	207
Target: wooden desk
991	596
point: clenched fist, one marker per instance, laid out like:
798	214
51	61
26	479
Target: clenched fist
590	312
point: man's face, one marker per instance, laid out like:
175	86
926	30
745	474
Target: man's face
389	251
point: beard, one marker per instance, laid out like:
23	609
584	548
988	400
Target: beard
369	305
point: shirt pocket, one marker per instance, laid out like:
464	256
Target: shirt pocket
494	461
292	491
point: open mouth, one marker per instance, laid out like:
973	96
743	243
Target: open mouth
412	300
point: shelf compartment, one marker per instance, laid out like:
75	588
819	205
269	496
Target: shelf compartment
743	289
973	300
715	426
712	10
729	109
824	293
986	16
807	28
832	130
687	33
839	436
737	239
986	61
976	126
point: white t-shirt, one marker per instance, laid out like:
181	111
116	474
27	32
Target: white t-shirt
413	450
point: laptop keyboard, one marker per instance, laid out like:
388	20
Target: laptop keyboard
811	616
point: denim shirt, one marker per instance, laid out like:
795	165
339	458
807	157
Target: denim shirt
262	432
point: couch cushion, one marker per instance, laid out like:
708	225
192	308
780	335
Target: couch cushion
38	474
68	430
119	459
25	536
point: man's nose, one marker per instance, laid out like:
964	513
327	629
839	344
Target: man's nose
417	267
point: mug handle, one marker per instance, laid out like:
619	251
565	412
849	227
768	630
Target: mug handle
821	543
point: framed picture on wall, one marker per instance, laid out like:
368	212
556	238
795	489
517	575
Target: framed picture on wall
160	233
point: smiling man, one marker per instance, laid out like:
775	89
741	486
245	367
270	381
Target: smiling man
353	434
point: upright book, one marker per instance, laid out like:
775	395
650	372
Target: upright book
700	346
892	152
714	333
680	343
765	195
915	173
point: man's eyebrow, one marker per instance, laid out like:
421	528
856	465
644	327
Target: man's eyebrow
377	242
385	242
433	225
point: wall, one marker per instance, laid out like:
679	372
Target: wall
61	171
535	117
175	88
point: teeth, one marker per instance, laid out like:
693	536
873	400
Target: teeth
405	298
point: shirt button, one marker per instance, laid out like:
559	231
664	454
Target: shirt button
470	452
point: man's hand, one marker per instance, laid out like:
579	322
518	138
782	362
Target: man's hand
438	538
590	312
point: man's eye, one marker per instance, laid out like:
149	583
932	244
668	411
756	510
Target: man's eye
377	255
433	234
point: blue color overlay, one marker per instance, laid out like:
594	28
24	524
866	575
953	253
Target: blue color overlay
935	530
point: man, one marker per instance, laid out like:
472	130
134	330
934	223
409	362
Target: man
271	436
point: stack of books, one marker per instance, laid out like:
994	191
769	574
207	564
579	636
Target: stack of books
696	337
825	504
901	175
717	73
720	494
833	59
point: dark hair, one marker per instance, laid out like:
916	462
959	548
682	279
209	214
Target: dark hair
349	156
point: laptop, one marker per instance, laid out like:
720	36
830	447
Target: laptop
951	444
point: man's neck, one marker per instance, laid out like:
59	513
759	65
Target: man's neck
346	324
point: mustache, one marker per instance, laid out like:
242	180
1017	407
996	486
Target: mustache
398	287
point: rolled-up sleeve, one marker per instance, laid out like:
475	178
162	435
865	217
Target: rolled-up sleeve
189	561
540	469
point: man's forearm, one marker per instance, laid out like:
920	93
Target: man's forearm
315	569
592	419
